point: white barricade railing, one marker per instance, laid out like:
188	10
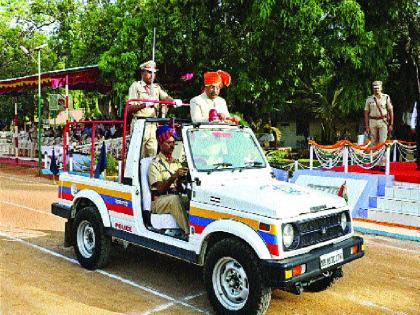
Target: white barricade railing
343	152
363	156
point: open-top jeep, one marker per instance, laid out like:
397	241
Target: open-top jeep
250	232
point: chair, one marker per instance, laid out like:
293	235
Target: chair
157	221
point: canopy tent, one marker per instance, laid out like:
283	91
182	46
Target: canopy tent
81	78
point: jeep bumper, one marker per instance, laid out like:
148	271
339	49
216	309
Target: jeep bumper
280	274
61	210
64	212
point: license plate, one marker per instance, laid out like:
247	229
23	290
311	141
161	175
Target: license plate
331	259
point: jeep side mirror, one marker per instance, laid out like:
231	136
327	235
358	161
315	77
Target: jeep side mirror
197	181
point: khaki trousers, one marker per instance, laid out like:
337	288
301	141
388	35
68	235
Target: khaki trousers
150	144
378	131
172	204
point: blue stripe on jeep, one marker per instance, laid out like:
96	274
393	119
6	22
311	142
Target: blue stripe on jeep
114	201
200	220
268	238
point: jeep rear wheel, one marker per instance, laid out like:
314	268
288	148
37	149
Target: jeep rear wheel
234	280
91	245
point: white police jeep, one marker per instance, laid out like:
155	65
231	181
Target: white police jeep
250	232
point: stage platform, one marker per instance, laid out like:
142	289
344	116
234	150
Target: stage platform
402	171
389	201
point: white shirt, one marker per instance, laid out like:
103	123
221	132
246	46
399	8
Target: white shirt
200	107
414	117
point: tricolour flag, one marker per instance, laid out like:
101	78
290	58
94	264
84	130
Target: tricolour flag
342	192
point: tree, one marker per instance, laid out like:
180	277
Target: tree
276	50
21	24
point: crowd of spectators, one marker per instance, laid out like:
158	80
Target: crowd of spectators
82	133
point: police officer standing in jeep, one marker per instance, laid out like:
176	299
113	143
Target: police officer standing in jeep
149	90
379	114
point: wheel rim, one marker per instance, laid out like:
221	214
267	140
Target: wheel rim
86	239
230	283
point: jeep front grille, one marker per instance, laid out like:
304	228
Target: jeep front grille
314	231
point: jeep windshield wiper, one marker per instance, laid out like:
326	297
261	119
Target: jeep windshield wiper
253	164
221	165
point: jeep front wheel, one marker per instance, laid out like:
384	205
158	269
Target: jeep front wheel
91	245
234	280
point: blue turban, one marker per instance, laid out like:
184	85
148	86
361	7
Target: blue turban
164	132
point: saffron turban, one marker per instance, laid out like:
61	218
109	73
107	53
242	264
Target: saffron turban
219	77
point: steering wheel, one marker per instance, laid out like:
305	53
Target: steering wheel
184	185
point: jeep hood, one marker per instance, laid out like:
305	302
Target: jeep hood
269	197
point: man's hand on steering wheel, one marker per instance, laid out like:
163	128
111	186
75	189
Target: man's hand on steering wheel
181	172
182	179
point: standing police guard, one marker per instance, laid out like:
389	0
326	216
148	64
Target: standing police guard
379	115
146	89
164	175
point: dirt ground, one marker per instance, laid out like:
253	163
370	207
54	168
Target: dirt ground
39	276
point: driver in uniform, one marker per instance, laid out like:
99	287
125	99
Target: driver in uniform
164	179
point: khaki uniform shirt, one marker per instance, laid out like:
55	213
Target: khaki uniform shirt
384	103
201	105
140	89
161	169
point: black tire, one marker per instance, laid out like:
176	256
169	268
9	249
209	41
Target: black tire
231	266
91	245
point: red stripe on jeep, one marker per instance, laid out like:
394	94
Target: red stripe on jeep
198	228
66	196
119	209
273	249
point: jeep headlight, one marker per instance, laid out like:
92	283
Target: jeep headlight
343	221
288	235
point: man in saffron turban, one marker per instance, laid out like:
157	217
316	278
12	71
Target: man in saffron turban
209	102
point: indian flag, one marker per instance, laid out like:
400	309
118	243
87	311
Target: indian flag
342	192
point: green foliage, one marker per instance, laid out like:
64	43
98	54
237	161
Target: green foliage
277	157
242	122
318	56
111	166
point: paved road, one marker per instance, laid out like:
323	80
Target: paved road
39	276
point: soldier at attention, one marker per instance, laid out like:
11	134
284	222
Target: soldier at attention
379	114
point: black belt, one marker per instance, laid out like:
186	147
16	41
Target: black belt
377	118
168	192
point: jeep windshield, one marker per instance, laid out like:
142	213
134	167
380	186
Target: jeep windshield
224	149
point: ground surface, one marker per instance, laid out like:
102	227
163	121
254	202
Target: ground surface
39	276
